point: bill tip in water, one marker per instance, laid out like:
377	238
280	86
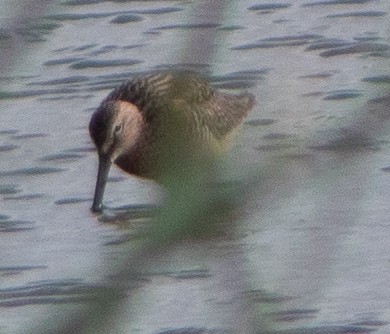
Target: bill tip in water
97	208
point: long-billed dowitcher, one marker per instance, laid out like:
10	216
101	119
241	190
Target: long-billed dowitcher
137	121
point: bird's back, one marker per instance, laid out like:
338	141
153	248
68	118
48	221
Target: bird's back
205	111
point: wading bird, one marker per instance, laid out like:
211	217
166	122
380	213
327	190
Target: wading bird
160	120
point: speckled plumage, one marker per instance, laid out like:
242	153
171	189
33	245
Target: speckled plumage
132	124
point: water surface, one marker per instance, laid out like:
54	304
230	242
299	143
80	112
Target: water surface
311	251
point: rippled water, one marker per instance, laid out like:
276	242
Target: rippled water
313	249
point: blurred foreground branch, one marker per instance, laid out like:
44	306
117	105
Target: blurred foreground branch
21	14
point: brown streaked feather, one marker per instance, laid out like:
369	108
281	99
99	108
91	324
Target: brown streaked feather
205	108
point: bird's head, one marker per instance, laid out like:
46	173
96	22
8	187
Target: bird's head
114	128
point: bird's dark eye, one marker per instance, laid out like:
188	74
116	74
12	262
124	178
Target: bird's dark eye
118	128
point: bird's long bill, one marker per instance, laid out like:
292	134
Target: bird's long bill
104	168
